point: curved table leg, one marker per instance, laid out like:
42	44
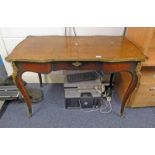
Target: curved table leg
23	90
19	68
130	89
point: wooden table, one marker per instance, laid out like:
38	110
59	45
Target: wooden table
43	54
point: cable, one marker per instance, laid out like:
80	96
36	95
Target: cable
102	109
100	76
68	31
105	104
108	104
105	101
74	31
65	31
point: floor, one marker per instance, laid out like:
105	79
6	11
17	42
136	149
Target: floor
51	113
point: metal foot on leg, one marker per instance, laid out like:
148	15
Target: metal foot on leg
30	114
122	115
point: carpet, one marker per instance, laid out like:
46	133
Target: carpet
51	113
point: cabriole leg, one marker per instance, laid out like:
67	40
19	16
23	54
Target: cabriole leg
17	77
132	86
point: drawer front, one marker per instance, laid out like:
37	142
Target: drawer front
76	66
148	76
144	96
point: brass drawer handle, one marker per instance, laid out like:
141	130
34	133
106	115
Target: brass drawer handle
76	64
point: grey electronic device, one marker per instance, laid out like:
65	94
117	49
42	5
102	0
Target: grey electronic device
84	93
8	88
85	76
3	106
1	103
9	92
81	98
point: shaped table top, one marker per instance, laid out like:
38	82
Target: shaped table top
81	48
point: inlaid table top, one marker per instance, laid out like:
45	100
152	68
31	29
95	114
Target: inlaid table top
84	48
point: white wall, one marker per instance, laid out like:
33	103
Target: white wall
10	37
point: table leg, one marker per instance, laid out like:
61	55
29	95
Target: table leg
132	86
40	79
111	80
24	92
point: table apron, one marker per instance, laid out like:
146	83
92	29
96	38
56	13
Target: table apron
107	67
45	68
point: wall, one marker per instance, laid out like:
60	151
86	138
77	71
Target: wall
3	73
1	62
10	37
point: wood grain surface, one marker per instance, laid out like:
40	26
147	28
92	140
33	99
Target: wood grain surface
85	48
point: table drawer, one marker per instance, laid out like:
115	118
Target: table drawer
148	76
76	66
144	96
